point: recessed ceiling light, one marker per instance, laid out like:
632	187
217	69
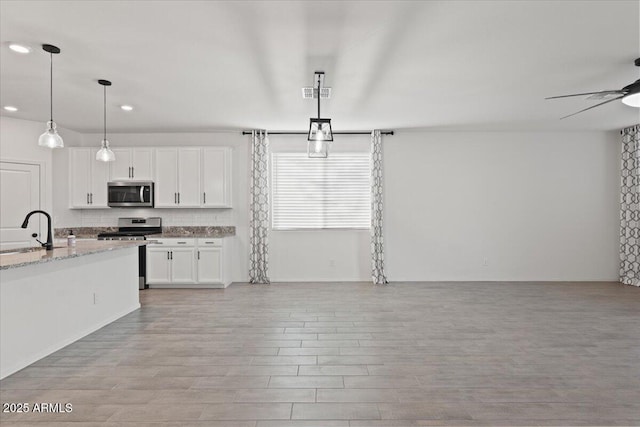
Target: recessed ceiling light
11	108
19	48
126	107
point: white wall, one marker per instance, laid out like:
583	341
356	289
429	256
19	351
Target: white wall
531	206
238	216
19	141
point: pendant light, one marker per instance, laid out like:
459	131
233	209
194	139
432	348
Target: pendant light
51	138
105	154
320	134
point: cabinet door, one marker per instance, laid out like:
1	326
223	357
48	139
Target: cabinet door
166	180
216	174
79	177
183	265
121	167
158	265
142	164
210	265
189	176
99	179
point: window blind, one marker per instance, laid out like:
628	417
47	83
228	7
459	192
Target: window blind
321	193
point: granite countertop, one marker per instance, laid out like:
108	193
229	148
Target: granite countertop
12	259
195	232
167	232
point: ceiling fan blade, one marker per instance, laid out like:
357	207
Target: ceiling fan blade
593	106
587	93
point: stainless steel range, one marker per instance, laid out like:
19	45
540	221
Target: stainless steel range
136	229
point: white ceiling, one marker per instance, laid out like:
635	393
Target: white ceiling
205	65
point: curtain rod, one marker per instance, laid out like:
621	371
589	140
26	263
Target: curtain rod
383	132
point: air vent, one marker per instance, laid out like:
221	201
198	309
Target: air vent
311	93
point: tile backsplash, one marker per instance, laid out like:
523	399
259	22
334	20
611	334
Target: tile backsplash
170	217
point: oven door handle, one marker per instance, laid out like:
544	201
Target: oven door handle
142	194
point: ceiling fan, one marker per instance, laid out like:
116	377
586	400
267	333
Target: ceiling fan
630	95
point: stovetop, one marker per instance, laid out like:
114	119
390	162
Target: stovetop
135	228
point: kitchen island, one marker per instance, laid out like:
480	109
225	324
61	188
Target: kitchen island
49	299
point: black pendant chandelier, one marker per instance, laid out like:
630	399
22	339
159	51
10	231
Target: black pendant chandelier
320	134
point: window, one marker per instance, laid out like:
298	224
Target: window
321	193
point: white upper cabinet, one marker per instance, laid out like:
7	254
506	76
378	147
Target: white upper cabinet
177	183
193	177
166	182
189	177
132	164
184	177
216	177
87	179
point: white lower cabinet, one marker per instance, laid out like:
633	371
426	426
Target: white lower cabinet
188	263
158	265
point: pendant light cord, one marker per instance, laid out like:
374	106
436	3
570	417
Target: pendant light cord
105	113
318	96
51	84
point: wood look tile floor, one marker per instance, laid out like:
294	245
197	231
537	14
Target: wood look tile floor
351	354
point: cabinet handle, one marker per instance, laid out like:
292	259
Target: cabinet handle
175	198
204	196
91	197
87	198
129	171
182	243
178	197
133	172
168	255
171	254
198	254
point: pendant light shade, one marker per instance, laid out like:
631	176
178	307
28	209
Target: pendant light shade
320	134
50	137
105	154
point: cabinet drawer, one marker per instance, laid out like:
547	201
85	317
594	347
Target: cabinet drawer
213	242
173	242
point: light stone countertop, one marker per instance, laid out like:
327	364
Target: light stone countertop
204	232
13	259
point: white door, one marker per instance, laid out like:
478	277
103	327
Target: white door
79	177
19	195
121	167
142	164
210	265
214	177
183	265
166	180
158	265
99	179
189	176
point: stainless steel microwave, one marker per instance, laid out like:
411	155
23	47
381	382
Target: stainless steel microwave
130	194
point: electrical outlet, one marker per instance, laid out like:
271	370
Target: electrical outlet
485	262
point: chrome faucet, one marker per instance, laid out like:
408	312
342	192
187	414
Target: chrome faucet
49	244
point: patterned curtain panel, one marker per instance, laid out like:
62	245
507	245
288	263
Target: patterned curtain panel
377	239
259	208
630	207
